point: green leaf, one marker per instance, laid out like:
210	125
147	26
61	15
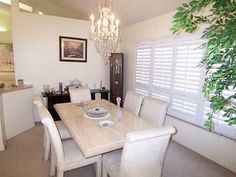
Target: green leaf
180	8
179	15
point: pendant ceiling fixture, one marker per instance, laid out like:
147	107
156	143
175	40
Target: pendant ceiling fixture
105	31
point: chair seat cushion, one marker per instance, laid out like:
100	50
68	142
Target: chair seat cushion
111	162
72	152
63	131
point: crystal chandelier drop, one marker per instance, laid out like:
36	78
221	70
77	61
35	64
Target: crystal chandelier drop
105	32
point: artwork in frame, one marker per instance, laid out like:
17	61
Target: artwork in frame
73	49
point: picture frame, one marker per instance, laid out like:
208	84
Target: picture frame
72	49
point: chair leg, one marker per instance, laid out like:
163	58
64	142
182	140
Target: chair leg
104	171
98	168
45	136
52	166
47	150
44	140
60	173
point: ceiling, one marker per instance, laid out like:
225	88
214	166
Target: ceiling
127	11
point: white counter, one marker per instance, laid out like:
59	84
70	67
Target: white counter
16	112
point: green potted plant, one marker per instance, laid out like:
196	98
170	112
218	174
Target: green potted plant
220	51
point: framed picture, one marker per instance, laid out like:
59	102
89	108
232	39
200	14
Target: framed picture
73	49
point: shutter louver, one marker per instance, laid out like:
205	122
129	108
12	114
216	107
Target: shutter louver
142	91
184	106
160	95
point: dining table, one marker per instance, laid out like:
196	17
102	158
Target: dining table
92	138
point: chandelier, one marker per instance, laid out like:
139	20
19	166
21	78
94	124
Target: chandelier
105	31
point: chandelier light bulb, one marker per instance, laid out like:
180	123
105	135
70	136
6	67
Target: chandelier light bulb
112	19
99	25
105	22
117	23
92	17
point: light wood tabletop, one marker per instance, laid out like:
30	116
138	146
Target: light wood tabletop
90	136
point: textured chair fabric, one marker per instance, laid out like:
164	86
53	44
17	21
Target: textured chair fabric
133	102
111	163
66	155
38	100
154	110
142	156
63	131
79	94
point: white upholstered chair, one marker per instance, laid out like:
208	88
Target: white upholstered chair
65	155
133	102
37	102
79	94
154	110
63	131
142	156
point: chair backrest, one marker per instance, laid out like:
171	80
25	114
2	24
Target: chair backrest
133	102
79	94
154	110
55	139
144	152
38	101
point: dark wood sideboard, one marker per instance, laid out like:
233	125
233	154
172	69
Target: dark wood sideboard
65	97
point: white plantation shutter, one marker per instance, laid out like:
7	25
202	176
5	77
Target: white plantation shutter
187	73
162	70
162	65
143	63
143	67
187	81
168	70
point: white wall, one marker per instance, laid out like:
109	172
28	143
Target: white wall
213	146
36	52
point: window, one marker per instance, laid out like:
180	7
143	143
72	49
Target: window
168	69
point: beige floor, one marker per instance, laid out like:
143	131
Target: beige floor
23	158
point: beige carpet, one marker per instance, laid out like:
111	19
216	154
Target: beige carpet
24	158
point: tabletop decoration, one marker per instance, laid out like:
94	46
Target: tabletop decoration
96	112
106	123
